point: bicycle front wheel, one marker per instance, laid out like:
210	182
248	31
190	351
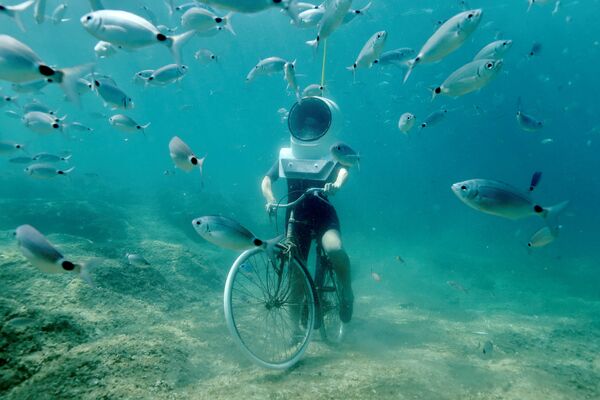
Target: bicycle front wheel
269	306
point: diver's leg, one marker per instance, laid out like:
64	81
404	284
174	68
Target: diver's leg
332	245
297	300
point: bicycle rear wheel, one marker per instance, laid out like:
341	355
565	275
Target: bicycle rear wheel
332	328
270	307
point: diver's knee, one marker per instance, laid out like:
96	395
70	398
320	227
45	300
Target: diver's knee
332	242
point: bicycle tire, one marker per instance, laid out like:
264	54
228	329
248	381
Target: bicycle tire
257	311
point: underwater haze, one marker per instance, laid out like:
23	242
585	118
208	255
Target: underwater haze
450	302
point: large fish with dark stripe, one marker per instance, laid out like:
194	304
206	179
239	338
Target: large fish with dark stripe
226	232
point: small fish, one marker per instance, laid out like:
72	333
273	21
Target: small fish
136	260
400	260
112	95
536	48
46	171
226	232
539	2
398	57
434	118
469	78
289	74
104	49
168	74
41	122
126	124
205	56
310	18
543	237
201	20
344	154
335	12
130	31
44	256
51	158
447	38
78	126
37	106
4	100
370	52
267	66
39	11
527	122
253	6
457	286
313	89
7	148
182	155
495	50
376	277
14	12
546	141
488	348
58	15
406	122
353	13
247	268
503	200
141	77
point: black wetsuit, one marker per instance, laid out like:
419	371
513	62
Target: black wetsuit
315	215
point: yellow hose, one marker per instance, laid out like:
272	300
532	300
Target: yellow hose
324	60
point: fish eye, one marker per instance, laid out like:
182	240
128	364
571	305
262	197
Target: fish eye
194	160
489	65
89	17
276	1
470	16
463	188
198	222
218	20
55	125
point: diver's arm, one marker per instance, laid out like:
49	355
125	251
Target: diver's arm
342	176
267	190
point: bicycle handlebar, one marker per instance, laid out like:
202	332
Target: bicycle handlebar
314	191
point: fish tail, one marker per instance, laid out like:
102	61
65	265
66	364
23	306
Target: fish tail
67	78
551	214
535	180
411	65
85	269
314	43
15	12
228	25
66	171
144	127
175	43
435	92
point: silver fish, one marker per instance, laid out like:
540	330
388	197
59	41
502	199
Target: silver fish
44	256
58	15
201	19
314	89
289	74
136	260
46	171
112	95
18	64
104	49
503	200
130	31
353	13
78	126
39	11
226	233
205	56
126	124
345	155
7	148
266	66
335	11
528	122
447	38
495	50
183	156
469	78
167	74
434	118
543	237
41	122
251	6
370	52
406	122
398	57
51	158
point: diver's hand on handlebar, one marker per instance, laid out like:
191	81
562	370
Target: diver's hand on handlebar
331	188
270	208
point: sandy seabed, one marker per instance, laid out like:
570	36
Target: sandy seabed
159	333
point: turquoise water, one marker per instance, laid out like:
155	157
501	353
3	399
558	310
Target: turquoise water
159	332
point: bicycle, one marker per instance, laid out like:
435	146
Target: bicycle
272	304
